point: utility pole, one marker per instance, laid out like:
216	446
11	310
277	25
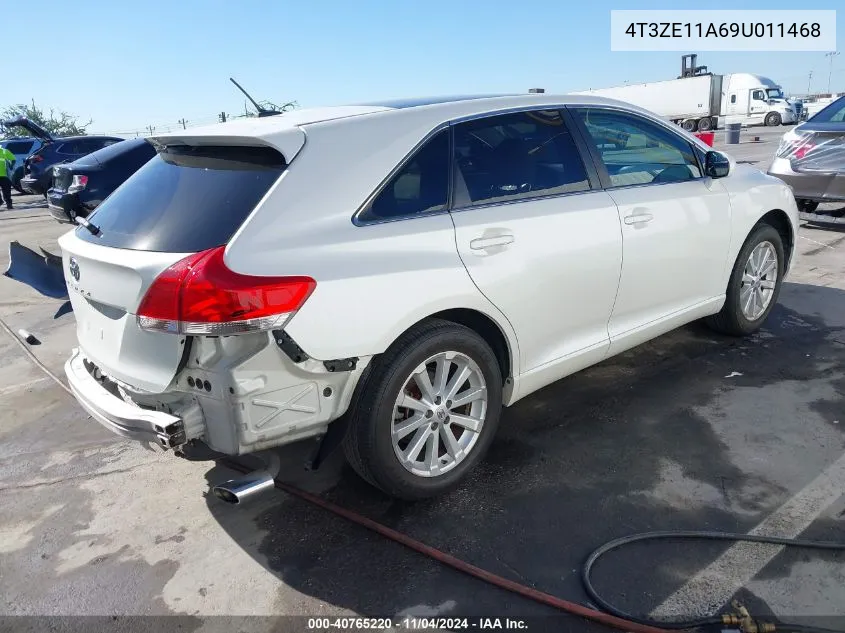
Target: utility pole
152	129
183	122
830	72
222	117
808	83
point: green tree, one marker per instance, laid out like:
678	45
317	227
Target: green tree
58	123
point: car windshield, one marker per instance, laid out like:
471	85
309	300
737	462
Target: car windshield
774	93
833	113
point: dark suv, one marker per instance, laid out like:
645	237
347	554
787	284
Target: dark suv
38	168
79	187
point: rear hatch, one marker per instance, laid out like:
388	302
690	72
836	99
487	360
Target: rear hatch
31	126
188	198
33	163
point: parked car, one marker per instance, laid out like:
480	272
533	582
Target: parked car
22	148
811	158
407	271
79	187
38	172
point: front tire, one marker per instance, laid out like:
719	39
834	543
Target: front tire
773	119
754	284
427	411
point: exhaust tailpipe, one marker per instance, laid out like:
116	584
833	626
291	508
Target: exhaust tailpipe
237	491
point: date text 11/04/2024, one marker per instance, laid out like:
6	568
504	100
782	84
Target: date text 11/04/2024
415	624
724	29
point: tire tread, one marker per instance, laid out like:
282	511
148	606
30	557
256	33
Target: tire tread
358	441
729	319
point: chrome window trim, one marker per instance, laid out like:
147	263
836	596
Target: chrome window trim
499	203
357	221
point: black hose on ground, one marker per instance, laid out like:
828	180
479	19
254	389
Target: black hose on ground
587	570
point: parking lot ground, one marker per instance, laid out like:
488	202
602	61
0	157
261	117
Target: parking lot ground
690	431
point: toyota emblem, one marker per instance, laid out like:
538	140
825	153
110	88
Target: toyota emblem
74	268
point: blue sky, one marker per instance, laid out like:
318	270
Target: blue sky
128	66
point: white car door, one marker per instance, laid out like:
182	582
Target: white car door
538	240
675	222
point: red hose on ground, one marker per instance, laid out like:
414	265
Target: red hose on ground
417	546
472	570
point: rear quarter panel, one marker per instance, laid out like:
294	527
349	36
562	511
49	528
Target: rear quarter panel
374	281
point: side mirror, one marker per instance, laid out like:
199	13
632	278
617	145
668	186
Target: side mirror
716	164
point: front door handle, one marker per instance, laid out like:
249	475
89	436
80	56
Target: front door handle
483	243
639	218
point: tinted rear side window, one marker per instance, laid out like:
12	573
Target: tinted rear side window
19	147
420	187
833	113
186	199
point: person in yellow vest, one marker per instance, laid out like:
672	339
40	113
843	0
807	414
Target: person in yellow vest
7	162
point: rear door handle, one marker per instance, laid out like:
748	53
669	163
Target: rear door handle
483	243
639	218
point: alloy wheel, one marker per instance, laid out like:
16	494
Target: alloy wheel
439	414
759	279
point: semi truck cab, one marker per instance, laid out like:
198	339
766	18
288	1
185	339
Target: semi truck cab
756	100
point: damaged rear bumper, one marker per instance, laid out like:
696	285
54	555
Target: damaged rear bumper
237	395
120	417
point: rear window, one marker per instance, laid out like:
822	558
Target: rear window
122	150
186	199
19	147
832	113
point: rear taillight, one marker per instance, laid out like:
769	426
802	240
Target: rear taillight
802	150
796	147
200	295
36	158
78	183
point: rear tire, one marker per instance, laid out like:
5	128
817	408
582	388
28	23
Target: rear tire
736	318
773	119
705	124
690	125
375	445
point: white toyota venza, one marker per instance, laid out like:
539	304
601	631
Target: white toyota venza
405	269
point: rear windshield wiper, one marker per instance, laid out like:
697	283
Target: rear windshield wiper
95	230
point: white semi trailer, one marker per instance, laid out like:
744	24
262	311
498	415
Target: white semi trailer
697	100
